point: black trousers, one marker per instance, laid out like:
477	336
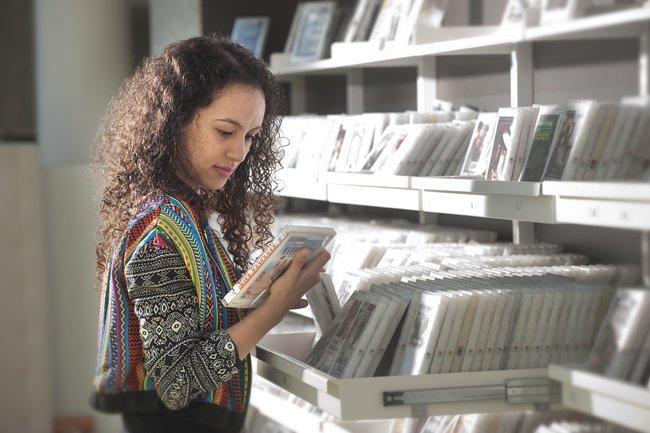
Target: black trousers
158	422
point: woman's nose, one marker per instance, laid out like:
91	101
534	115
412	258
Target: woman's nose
238	150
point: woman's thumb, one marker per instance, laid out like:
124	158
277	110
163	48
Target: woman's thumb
298	261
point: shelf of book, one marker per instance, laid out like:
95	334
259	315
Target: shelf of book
616	401
404	55
279	361
625	23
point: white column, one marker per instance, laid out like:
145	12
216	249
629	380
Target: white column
521	75
645	257
355	92
644	61
523	232
298	102
427	83
82	57
173	20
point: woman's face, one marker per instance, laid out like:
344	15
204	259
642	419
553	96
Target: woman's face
218	137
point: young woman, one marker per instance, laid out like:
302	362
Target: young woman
189	135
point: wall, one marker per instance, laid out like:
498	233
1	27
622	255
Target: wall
25	403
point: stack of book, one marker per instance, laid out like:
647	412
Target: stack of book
457	321
413	144
622	348
584	140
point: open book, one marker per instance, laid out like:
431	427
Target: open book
252	288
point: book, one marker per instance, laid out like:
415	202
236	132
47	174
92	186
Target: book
586	111
477	156
323	303
502	145
622	334
251	290
561	147
546	132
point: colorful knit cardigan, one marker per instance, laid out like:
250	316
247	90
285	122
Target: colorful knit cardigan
162	340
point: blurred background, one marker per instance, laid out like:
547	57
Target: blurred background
62	61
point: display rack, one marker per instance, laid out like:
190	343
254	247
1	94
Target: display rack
623	403
280	360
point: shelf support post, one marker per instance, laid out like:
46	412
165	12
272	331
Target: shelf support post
427	83
645	257
355	92
298	96
523	232
521	75
644	61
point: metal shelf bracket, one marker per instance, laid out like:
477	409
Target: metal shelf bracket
539	391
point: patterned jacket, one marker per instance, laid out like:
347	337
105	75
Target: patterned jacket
162	340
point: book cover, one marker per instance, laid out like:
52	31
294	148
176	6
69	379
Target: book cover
252	288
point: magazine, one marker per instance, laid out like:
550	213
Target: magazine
252	288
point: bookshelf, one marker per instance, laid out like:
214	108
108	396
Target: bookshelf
620	205
619	402
278	359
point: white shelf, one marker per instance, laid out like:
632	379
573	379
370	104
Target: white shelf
603	213
536	209
610	190
616	401
301	184
394	198
603	204
364	179
280	360
478	186
405	55
301	421
626	23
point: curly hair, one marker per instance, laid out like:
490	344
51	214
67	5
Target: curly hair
140	153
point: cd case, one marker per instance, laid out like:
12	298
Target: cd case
252	288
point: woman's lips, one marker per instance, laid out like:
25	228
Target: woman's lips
224	171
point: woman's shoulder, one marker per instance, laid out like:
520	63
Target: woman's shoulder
163	213
163	205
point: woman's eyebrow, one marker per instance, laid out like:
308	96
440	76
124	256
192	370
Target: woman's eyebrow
237	124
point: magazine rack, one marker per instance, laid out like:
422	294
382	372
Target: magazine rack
623	403
279	359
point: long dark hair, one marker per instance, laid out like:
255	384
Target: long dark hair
139	151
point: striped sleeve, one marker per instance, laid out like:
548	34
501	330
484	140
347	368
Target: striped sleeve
183	364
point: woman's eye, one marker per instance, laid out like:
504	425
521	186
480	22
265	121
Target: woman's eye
224	133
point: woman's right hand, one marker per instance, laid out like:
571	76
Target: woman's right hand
299	277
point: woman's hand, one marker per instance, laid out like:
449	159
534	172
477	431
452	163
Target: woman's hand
285	294
299	277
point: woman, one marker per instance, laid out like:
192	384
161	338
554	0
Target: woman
190	134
